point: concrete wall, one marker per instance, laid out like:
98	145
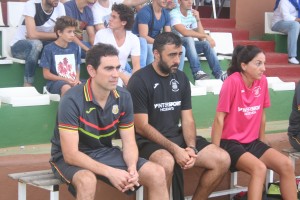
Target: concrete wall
249	15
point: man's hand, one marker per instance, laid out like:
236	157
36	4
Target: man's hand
182	157
133	180
73	82
192	160
211	41
196	14
120	179
170	4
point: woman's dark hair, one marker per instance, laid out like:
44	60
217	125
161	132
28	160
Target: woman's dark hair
125	13
242	54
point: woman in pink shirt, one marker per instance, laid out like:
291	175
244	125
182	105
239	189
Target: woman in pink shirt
239	125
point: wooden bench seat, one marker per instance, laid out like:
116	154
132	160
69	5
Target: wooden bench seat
42	179
45	179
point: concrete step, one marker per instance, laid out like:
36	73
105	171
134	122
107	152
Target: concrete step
236	34
286	72
276	58
266	46
208	23
295	79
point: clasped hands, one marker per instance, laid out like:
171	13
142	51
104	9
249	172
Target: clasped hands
185	158
124	180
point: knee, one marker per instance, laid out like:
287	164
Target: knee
168	165
286	167
164	159
64	89
222	160
206	46
159	175
37	45
85	181
259	170
188	42
294	26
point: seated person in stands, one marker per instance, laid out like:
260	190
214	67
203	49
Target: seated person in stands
102	9
149	22
239	125
185	22
120	36
35	30
164	123
286	20
79	10
88	117
294	121
60	59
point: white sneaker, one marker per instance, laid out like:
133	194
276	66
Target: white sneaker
293	60
223	76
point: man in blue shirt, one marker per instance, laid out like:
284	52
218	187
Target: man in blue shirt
149	22
186	23
79	10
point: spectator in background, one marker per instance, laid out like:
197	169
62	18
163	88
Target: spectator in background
79	10
102	9
286	20
35	30
119	35
186	23
60	59
294	121
239	125
149	22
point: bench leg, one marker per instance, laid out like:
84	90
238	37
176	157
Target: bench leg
233	182
293	159
54	195
269	178
21	191
139	195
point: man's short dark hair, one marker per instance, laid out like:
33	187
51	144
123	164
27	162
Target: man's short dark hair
64	22
125	13
94	55
166	38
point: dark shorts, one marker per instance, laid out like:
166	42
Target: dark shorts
109	156
236	150
295	141
146	149
54	87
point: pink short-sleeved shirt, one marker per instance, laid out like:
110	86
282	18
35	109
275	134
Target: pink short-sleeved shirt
244	107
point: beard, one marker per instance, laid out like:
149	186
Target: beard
52	3
165	69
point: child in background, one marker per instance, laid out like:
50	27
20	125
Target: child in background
61	59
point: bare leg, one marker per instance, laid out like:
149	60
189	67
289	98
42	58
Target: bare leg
257	170
283	166
85	183
64	89
166	160
152	176
215	163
